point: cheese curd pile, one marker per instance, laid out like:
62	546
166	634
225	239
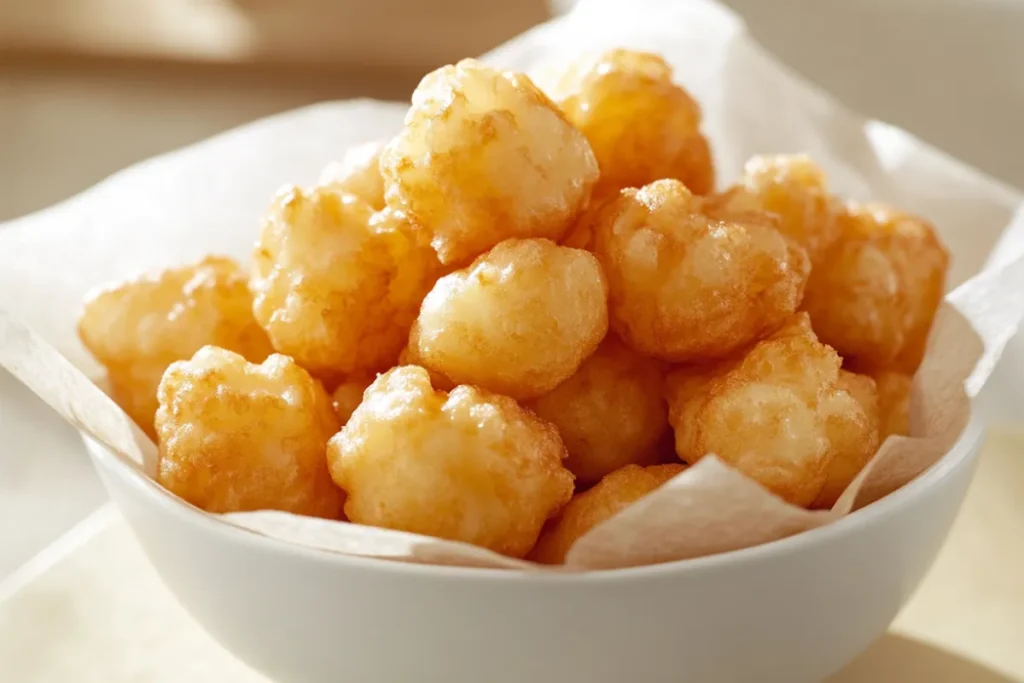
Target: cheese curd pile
524	313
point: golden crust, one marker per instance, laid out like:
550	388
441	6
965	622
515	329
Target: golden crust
793	188
614	493
347	396
137	328
894	403
235	436
768	413
641	126
610	413
485	156
853	437
358	173
687	287
518	321
877	290
468	465
336	285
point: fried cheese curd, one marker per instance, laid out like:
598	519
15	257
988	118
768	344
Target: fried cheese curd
641	126
793	188
876	292
685	287
893	403
358	173
776	414
519	321
137	328
467	465
610	413
614	493
347	396
337	286
853	442
484	156
235	436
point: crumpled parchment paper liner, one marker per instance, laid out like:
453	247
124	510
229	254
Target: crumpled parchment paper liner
72	395
209	198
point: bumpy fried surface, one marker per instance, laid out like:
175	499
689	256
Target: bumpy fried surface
610	413
518	321
337	286
468	466
686	287
894	403
611	495
794	189
235	436
852	440
875	294
641	126
137	328
581	234
347	396
771	414
485	156
358	173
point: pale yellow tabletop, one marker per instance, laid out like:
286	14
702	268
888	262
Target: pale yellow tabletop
95	612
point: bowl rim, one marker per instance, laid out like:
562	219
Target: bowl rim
965	447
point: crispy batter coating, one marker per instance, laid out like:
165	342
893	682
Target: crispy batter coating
336	285
610	413
468	465
410	356
894	403
358	173
615	492
852	440
581	234
236	436
770	414
793	188
518	321
137	328
347	396
485	156
641	126
876	292
685	287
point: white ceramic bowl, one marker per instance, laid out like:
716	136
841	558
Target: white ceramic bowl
791	611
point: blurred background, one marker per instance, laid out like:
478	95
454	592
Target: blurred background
90	86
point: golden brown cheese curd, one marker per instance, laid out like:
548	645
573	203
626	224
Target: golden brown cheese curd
518	321
686	287
347	396
485	156
894	403
358	173
610	413
641	126
137	328
614	493
772	414
876	292
852	442
793	188
336	285
467	466
236	436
